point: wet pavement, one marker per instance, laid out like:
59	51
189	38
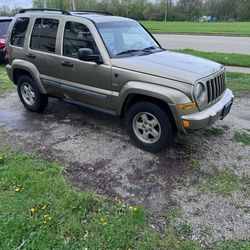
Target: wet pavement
97	149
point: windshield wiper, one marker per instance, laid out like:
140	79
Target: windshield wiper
128	51
151	48
131	51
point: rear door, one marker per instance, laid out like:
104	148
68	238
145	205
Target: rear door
42	49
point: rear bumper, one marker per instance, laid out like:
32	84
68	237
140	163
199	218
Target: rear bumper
210	115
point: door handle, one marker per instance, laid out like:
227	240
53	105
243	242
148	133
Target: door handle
67	64
31	55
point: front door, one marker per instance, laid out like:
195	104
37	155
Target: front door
80	80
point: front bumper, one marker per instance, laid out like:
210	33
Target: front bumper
210	115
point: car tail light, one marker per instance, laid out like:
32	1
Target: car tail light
6	56
2	41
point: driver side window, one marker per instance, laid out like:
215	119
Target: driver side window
77	36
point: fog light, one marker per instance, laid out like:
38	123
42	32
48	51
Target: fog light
186	123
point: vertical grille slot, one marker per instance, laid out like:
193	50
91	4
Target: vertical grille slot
215	87
218	86
209	92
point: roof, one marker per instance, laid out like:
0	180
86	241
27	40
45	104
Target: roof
102	19
95	16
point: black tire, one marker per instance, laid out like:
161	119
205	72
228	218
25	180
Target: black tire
32	99
166	128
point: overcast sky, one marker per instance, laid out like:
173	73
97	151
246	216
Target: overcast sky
16	3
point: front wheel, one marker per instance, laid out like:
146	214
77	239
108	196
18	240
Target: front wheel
149	126
30	95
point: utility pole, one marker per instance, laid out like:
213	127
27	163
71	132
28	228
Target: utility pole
72	5
44	3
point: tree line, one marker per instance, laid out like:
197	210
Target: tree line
158	10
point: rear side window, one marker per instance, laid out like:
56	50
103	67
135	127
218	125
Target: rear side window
19	31
4	25
44	35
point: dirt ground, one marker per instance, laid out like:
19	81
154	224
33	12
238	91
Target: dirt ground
178	185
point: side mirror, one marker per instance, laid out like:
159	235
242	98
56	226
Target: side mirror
86	54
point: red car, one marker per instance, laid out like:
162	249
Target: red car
4	25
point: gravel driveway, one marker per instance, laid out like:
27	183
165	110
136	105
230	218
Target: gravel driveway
181	185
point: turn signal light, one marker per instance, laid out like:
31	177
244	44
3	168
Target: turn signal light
186	106
186	123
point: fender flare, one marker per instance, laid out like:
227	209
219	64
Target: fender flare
31	69
168	95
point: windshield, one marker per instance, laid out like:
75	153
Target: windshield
126	38
4	25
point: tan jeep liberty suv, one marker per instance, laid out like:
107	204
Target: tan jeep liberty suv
113	64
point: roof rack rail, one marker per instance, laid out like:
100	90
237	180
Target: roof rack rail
64	12
82	12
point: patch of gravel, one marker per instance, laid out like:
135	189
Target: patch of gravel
224	217
211	216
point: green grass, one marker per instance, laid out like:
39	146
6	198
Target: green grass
231	245
5	84
173	213
186	229
223	58
39	209
224	183
242	137
234	28
210	132
238	83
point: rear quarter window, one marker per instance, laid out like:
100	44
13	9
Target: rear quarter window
44	33
19	31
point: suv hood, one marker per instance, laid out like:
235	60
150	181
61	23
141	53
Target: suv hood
171	65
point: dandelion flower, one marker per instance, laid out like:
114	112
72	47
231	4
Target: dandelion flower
17	189
44	207
130	207
32	210
103	222
1	158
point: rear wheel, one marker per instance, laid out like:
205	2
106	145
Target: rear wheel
150	126
30	95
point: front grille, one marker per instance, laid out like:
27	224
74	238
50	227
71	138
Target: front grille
215	87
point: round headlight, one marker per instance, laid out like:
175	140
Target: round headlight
199	91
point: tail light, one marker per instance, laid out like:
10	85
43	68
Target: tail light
2	41
6	56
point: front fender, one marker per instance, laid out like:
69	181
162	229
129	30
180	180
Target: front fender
168	95
30	68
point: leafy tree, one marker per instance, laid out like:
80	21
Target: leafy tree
163	10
